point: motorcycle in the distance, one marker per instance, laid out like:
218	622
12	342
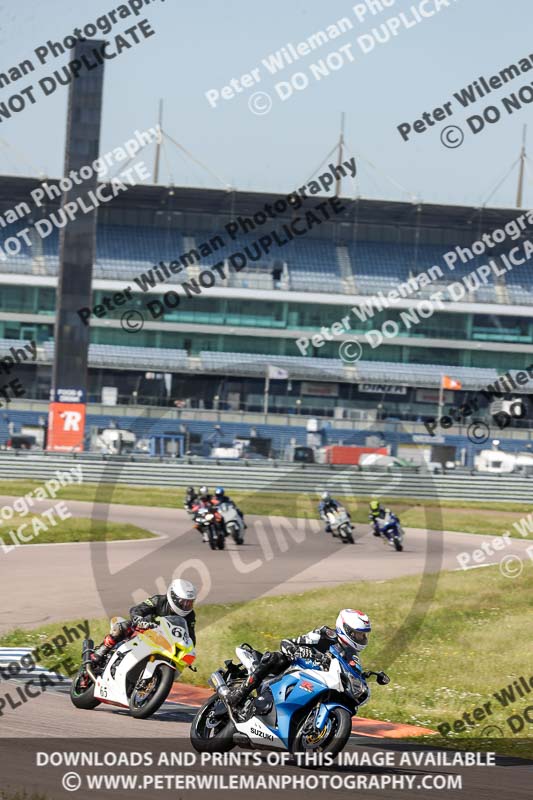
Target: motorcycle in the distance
233	523
307	709
209	522
390	529
340	525
137	673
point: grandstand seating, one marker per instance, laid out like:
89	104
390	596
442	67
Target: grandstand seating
254	364
105	355
313	264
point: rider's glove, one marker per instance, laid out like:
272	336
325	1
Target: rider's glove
304	652
323	659
143	624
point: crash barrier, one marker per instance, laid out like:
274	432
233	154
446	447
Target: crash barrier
277	476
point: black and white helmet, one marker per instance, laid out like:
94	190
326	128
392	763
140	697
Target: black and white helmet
181	596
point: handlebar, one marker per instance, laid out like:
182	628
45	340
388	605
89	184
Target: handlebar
381	677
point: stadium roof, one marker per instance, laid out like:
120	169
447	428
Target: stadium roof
14	190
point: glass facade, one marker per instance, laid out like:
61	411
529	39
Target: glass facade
276	316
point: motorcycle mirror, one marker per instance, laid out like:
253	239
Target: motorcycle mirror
382	678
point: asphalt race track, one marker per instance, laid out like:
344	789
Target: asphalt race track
90	580
51	715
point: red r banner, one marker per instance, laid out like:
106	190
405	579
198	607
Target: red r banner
66	427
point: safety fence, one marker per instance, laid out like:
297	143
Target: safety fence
277	477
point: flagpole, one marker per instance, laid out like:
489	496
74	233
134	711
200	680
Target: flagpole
267	389
441	397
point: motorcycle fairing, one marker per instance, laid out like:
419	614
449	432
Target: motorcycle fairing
290	696
162	645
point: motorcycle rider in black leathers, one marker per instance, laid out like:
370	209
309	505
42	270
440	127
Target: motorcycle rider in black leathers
351	633
178	601
190	497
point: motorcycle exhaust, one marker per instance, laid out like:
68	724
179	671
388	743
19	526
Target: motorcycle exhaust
90	673
217	682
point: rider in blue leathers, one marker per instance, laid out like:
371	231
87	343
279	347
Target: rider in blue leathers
222	497
327	503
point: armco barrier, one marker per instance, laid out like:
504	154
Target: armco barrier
260	476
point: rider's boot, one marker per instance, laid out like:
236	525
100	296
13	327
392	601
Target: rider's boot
238	694
100	653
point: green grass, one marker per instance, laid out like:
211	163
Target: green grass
491	519
469	644
73	529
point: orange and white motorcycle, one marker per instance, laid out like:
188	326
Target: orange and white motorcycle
139	672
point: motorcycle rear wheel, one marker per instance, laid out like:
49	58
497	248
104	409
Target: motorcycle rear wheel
140	707
331	740
83	698
206	735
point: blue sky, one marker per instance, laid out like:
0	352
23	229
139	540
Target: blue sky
201	46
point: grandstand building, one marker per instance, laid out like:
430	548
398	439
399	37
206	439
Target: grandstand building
212	348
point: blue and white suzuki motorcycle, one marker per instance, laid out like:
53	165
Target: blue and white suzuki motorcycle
390	529
306	709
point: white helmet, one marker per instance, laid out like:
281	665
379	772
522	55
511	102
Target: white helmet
326	496
181	596
353	628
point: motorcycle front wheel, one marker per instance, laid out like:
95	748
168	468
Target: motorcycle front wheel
211	729
150	693
398	545
221	539
346	535
83	697
212	538
331	739
236	534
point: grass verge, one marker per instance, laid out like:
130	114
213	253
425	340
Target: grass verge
449	658
73	529
470	517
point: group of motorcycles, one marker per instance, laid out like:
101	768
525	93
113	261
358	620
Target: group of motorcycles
217	521
387	526
306	709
